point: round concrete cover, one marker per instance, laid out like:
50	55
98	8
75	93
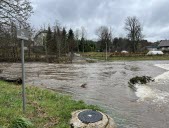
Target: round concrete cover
90	116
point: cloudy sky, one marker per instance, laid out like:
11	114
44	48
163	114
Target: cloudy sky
153	15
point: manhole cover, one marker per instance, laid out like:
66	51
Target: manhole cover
90	116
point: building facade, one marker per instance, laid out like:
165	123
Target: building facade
164	45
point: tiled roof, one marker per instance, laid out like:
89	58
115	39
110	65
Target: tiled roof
164	43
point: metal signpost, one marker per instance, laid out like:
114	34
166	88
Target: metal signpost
23	35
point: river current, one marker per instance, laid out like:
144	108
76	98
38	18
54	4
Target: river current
106	85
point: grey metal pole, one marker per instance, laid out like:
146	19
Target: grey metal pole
23	78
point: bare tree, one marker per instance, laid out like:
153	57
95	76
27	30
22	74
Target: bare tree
134	29
14	11
105	37
77	34
32	32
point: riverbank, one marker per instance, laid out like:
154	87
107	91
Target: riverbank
106	85
45	108
123	57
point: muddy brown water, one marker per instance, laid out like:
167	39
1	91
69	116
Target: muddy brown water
107	87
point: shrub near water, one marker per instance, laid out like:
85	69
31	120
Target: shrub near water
139	80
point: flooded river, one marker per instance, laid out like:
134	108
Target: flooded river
107	86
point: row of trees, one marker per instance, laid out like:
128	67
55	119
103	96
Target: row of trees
59	42
131	43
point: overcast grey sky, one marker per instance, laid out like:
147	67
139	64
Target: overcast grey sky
153	15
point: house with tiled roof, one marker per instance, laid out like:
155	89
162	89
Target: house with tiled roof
164	45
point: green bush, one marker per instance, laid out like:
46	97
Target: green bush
141	80
21	123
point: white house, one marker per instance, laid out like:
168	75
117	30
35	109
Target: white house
40	37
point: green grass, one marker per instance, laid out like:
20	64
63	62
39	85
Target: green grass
132	57
45	108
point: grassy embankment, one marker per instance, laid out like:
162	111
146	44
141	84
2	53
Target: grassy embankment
125	57
45	108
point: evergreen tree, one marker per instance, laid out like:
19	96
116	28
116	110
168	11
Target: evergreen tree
115	44
71	44
82	45
49	40
71	41
58	41
64	44
55	42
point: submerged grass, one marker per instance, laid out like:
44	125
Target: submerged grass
45	108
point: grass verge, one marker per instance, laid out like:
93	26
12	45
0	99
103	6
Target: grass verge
132	57
45	108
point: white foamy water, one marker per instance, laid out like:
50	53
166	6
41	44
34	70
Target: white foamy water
146	93
164	66
165	76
